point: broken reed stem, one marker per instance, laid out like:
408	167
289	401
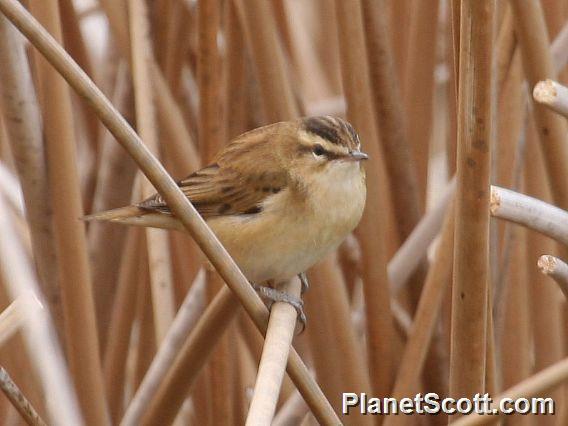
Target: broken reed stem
157	241
553	95
356	86
183	324
471	249
556	269
70	240
278	339
18	400
536	385
530	212
537	61
177	201
22	121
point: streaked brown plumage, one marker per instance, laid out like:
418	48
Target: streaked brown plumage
279	197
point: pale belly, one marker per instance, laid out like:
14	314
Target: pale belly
267	249
276	246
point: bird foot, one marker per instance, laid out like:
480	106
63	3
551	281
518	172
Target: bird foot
304	280
274	295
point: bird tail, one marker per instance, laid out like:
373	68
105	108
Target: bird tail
116	215
136	216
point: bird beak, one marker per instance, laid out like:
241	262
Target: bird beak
358	156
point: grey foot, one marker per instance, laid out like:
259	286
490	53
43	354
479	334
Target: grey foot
304	280
274	295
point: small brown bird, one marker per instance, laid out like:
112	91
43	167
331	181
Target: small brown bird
279	198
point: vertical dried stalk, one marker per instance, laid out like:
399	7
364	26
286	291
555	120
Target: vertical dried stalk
208	78
360	113
160	13
390	119
537	61
120	324
74	274
400	12
515	360
451	102
23	125
471	251
341	366
419	83
157	240
178	143
144	347
117	14
406	193
234	75
219	366
547	308
420	336
270	65
555	16
210	140
177	40
113	188
75	45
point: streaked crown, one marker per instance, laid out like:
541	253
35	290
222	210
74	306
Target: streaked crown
333	130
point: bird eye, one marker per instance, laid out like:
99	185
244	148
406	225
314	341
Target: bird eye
318	150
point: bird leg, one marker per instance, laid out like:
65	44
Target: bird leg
274	295
304	280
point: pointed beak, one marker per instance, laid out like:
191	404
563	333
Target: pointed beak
358	156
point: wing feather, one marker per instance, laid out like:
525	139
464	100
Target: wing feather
229	186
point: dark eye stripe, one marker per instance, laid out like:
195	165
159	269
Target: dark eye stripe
329	155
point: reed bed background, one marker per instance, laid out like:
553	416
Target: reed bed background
454	282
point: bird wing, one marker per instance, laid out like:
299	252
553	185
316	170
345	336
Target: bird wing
220	190
235	184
